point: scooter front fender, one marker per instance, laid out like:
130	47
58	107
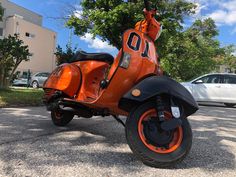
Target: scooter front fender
158	85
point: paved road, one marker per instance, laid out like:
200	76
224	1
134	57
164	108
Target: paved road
31	146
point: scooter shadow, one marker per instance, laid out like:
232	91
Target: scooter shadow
211	149
208	152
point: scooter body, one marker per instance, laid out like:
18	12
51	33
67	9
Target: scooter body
81	81
132	85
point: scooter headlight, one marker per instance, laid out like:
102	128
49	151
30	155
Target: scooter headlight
125	60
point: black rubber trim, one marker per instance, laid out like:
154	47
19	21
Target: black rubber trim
158	85
83	56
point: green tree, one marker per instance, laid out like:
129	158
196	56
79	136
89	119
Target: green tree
184	53
64	56
110	18
12	53
228	58
192	52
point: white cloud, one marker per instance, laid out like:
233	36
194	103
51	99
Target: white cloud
225	14
224	17
219	16
78	13
97	43
229	5
199	8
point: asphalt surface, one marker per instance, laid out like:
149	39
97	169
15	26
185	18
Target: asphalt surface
31	146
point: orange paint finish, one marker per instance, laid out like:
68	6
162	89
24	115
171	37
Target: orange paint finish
114	65
124	79
138	43
121	80
150	63
93	73
142	26
149	26
63	77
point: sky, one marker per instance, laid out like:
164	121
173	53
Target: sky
222	11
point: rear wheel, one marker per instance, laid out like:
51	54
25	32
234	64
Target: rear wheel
229	105
61	118
154	146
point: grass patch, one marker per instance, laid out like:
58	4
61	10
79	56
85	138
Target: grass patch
15	97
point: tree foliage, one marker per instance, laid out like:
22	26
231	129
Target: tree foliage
229	58
184	53
64	56
193	51
12	53
110	18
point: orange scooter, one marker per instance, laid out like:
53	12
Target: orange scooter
132	85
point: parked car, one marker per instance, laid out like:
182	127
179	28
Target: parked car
38	79
220	88
20	82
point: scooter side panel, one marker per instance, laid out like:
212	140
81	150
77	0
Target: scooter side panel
93	72
65	78
123	79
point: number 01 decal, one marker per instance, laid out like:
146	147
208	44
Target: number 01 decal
134	43
131	40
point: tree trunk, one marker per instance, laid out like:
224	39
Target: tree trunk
3	84
12	72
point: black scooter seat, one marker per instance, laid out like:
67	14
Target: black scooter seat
83	56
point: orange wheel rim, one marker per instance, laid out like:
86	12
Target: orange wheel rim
177	135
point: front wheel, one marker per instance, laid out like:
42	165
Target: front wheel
154	146
61	118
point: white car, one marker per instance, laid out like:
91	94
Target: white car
220	88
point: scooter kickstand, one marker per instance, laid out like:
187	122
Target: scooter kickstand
119	120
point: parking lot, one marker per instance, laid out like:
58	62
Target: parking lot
31	146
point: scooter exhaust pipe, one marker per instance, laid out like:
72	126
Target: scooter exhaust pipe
75	108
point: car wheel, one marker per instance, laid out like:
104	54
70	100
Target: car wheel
229	104
35	84
155	147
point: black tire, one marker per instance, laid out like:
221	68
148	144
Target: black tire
230	105
146	155
61	118
35	84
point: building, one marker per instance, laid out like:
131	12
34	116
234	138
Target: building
226	69
28	25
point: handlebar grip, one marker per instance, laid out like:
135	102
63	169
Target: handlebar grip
146	3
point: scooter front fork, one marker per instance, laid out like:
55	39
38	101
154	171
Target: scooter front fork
174	122
160	109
